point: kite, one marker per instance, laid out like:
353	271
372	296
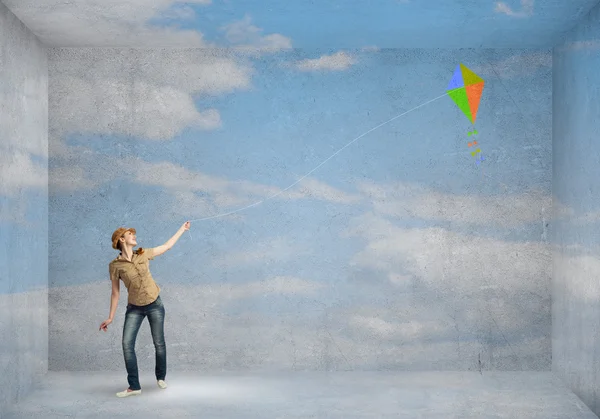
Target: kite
465	90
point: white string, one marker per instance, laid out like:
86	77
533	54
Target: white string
325	161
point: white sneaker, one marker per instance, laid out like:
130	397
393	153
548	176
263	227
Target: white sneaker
162	384
126	393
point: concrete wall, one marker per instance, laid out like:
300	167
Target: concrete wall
399	253
576	168
23	209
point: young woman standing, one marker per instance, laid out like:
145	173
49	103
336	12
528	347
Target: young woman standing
132	267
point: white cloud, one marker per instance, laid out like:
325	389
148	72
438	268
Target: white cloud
283	285
24	120
300	334
334	62
408	200
155	105
409	330
580	273
23	131
399	280
246	37
18	171
70	179
221	194
105	23
275	250
192	205
116	23
381	327
196	194
567	214
278	285
526	9
180	12
560	210
82	169
312	188
461	288
149	94
23	123
175	179
139	109
453	288
446	260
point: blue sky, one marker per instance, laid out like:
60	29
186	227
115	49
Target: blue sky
575	129
307	25
385	23
400	231
285	123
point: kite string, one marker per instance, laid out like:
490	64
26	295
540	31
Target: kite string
322	163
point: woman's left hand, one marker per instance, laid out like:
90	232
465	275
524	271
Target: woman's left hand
186	226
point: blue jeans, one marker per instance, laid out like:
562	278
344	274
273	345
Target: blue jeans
133	320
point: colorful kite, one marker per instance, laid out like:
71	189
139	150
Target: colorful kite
465	89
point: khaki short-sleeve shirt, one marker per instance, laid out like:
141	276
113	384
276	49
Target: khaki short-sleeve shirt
141	288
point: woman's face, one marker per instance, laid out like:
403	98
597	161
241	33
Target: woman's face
130	239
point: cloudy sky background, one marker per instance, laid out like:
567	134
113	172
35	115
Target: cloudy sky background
400	240
271	25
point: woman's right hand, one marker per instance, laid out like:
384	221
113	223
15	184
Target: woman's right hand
105	323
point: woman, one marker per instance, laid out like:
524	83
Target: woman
143	300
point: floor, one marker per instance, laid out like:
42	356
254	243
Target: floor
306	395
